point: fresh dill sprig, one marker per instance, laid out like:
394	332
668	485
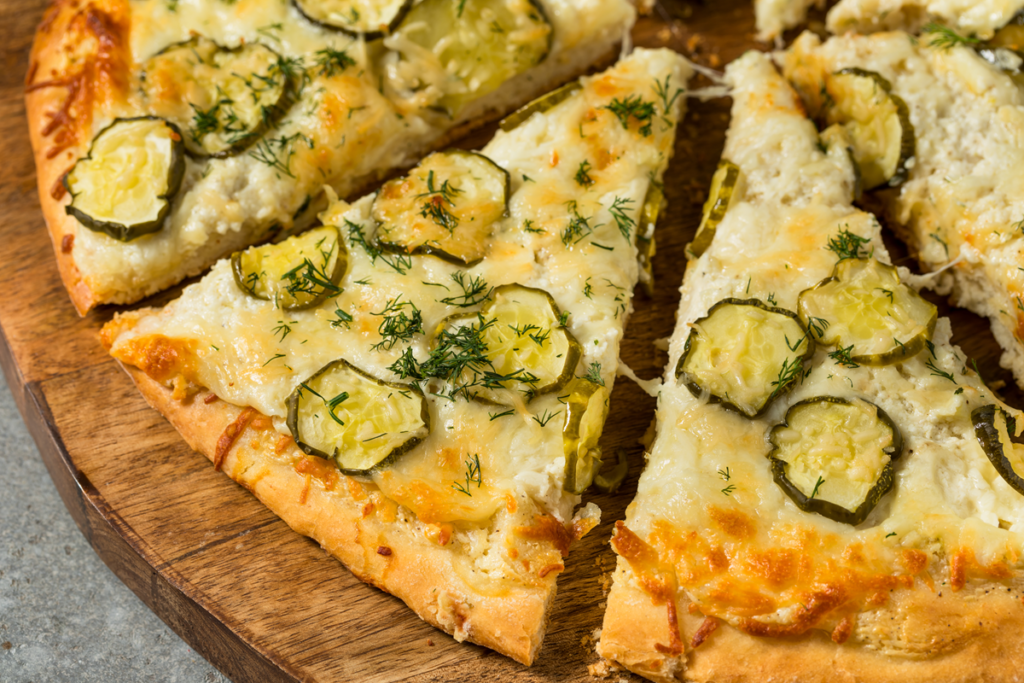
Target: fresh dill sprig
578	226
594	374
662	90
396	326
623	221
278	152
438	201
843	357
582	176
787	374
817	486
937	372
944	38
545	417
400	263
847	245
284	328
473	475
528	227
331	62
341	318
633	107
726	475
817	326
729	489
474	290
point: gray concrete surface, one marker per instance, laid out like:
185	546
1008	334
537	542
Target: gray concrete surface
63	615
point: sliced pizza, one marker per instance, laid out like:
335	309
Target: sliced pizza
420	383
981	18
831	493
936	125
169	133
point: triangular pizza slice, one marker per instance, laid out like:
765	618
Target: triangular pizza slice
832	493
170	133
420	383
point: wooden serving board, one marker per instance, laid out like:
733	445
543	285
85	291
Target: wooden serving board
261	602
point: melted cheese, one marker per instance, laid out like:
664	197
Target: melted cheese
772	17
341	132
962	202
707	503
243	354
980	17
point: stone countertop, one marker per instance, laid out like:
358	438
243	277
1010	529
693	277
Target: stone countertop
63	615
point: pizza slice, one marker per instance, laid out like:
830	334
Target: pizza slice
169	133
420	383
937	126
981	18
831	492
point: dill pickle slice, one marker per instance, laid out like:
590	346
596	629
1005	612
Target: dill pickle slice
125	185
723	187
834	457
997	433
525	350
480	44
586	408
837	142
445	207
360	422
224	98
645	246
299	272
863	307
540	105
745	354
368	19
877	121
609	482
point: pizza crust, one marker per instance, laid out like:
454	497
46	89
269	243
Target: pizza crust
636	632
99	32
353	525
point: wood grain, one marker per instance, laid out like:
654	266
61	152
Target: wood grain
259	601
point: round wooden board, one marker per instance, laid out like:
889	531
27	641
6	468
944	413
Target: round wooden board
259	601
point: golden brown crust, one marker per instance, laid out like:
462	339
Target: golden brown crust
355	524
80	62
975	633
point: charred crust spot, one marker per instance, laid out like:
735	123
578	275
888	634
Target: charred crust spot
550	568
230	435
815	607
67	242
210	398
732	522
384	551
958	570
318	468
707	627
842	631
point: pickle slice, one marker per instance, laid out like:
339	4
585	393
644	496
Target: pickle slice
224	97
997	434
299	272
723	187
359	421
515	347
540	105
877	121
125	184
609	482
834	457
445	207
744	354
837	142
586	409
369	19
645	246
479	43
863	305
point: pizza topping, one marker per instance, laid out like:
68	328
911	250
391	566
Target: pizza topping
360	422
723	187
540	105
370	19
125	184
645	246
519	346
877	121
445	207
478	45
610	481
834	456
997	433
225	98
586	408
299	272
837	141
864	310
744	354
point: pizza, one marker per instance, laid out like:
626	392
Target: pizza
832	493
772	17
953	146
170	133
420	382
